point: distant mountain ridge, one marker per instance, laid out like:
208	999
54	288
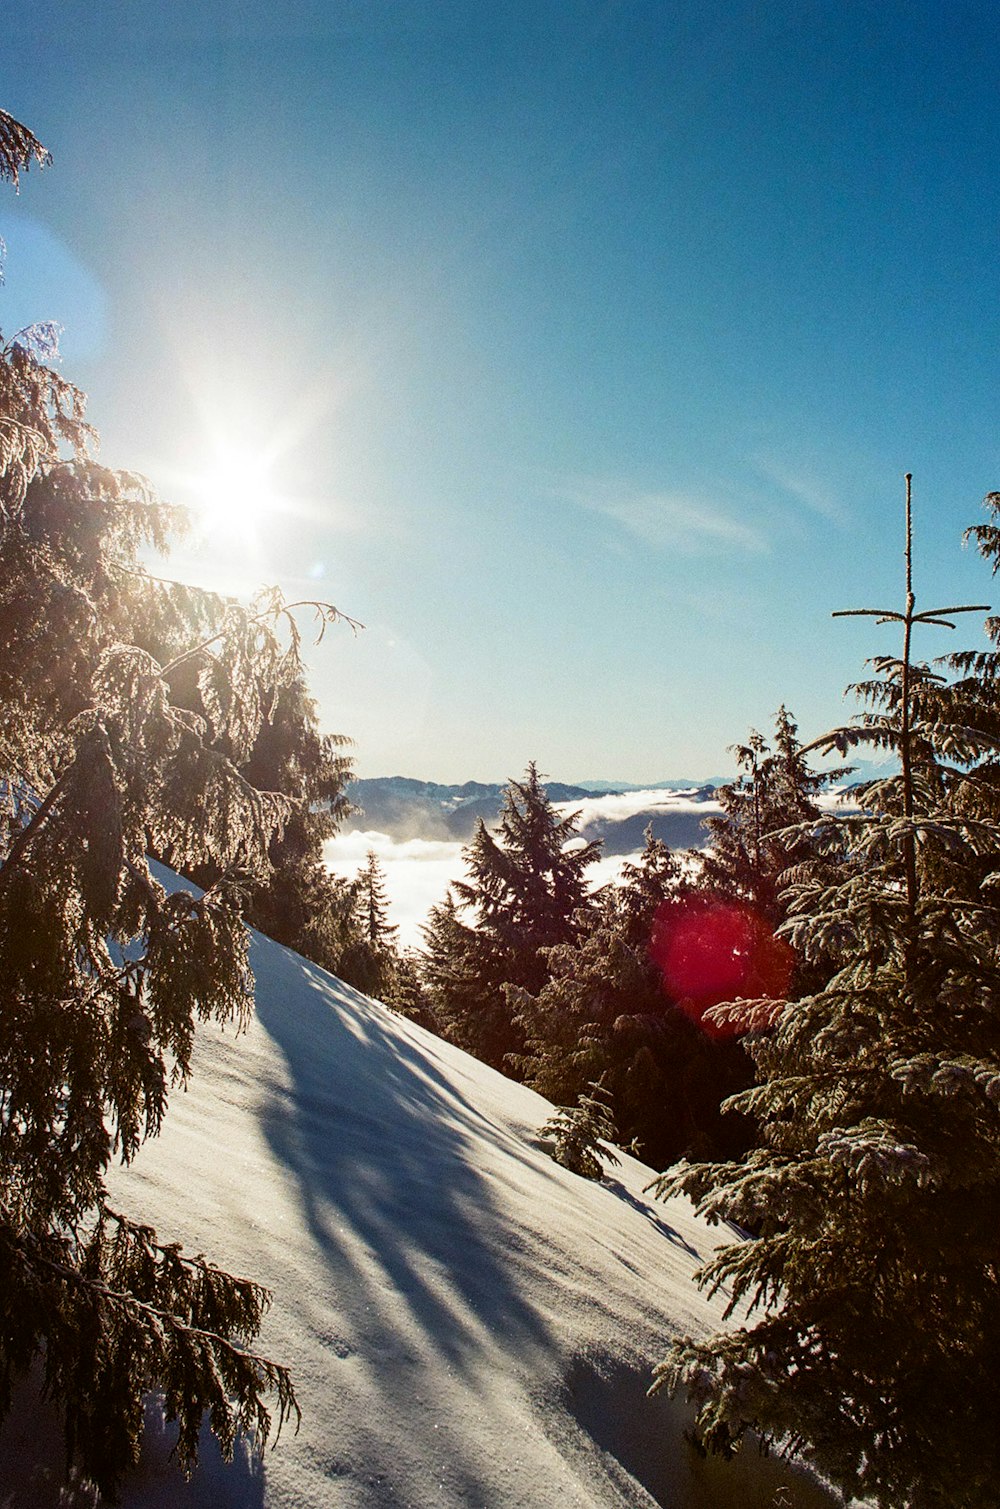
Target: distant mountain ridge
617	788
405	808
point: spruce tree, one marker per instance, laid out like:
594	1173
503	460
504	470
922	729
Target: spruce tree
975	693
580	1133
604	1013
105	975
762	830
873	1196
526	893
41	416
597	979
312	770
406	995
368	957
373	905
287	754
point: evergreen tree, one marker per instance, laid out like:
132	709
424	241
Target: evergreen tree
287	753
312	770
268	733
331	925
874	1194
104	974
974	701
762	831
373	905
19	148
604	1013
580	1133
407	995
526	893
368	957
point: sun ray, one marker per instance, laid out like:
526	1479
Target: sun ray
235	495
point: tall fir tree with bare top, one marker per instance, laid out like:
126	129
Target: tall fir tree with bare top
872	1278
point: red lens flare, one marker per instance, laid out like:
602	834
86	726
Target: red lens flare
710	950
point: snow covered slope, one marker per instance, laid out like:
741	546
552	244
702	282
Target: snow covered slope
467	1323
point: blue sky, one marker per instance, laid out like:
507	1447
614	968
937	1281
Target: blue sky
585	344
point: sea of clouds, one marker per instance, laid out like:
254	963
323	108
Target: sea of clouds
418	871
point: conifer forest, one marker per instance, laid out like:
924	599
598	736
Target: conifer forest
796	1028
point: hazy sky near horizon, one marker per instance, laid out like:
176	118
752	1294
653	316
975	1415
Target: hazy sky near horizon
584	345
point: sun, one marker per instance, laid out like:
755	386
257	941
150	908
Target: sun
235	496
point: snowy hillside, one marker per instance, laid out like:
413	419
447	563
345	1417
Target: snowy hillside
467	1323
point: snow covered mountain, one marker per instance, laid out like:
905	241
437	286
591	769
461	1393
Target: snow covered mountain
407	809
404	809
469	1325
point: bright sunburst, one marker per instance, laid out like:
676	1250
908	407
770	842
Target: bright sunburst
235	496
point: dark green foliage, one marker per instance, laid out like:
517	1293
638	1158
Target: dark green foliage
406	994
579	1133
311	770
463	973
873	1196
346	929
526	893
243	687
112	1306
763	829
373	905
103	759
604	1013
104	976
269	732
367	957
974	703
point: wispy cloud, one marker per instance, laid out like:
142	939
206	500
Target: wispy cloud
800	482
666	519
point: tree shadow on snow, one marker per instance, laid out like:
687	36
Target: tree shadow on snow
33	1471
649	1214
382	1144
609	1399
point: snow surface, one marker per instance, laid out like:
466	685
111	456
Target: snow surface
467	1323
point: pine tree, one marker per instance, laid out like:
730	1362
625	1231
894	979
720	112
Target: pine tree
72	508
368	957
405	993
311	770
580	1133
604	1013
762	831
286	754
597	979
525	894
873	1197
974	696
104	974
373	905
